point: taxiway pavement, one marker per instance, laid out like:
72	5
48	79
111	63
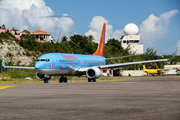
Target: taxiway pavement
139	99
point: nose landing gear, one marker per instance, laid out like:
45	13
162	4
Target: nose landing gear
46	78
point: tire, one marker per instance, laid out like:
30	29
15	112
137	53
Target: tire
89	79
94	79
44	81
60	80
65	80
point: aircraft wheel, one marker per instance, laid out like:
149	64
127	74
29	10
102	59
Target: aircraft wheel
89	79
65	79
94	79
46	81
60	80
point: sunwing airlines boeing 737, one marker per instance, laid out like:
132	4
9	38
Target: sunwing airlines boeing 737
64	64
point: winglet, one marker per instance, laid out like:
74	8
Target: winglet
174	53
101	47
3	62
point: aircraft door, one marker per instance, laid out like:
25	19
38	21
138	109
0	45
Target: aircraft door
56	61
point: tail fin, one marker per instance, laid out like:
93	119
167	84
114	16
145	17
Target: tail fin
101	47
144	68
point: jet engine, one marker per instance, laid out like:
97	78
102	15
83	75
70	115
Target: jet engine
93	72
42	76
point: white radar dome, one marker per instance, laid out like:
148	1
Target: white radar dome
131	29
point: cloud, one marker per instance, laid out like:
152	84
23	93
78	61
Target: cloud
154	28
30	15
96	28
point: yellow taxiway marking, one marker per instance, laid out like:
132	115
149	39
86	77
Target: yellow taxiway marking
4	87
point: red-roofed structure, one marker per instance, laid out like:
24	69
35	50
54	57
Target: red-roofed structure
42	34
23	32
12	31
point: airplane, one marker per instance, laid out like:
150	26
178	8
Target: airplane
65	64
153	71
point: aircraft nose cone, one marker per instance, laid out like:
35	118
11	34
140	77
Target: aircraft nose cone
38	65
39	68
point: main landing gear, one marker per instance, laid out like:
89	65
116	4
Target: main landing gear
46	80
63	79
91	79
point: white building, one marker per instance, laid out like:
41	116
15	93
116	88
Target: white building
132	39
42	34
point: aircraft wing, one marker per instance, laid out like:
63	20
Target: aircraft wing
130	63
17	67
126	64
120	64
119	57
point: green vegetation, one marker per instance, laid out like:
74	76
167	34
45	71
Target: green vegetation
7	36
20	73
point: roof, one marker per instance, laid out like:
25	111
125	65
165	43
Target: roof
40	32
14	29
23	32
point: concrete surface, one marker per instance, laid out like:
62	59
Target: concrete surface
126	100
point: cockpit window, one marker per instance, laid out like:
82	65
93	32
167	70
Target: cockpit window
47	60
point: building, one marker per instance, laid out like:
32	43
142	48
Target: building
132	39
13	31
23	32
42	35
172	67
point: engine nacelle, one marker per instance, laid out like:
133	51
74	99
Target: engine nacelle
93	72
42	76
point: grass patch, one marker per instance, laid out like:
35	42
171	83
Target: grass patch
20	73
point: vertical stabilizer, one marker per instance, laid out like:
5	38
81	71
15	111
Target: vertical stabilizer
101	47
144	68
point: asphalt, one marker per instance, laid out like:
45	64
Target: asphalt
142	99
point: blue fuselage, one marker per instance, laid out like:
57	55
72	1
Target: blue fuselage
65	64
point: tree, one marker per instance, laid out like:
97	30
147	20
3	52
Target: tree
3	27
64	39
114	49
150	54
84	43
90	38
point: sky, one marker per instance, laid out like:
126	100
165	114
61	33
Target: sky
158	20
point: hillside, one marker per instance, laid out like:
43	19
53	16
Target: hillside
15	54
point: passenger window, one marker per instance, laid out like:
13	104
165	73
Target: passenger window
47	60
